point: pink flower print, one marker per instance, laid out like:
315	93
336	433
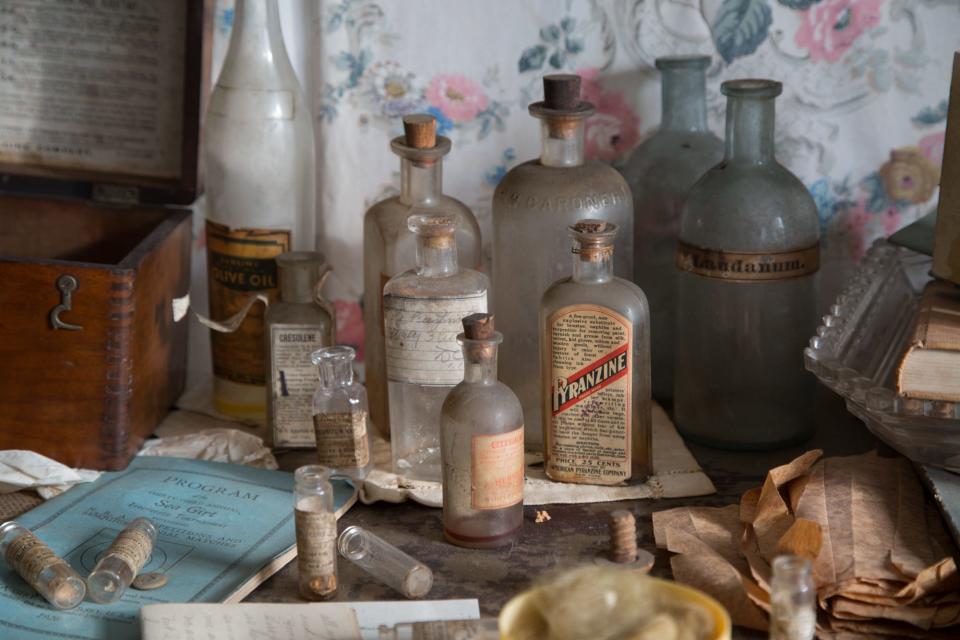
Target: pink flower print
614	129
349	324
831	27
857	220
932	147
891	220
457	97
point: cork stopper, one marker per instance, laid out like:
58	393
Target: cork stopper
593	239
478	326
590	226
435	230
561	91
420	131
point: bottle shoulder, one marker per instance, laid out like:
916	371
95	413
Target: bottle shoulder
532	176
487	404
464	283
618	295
672	157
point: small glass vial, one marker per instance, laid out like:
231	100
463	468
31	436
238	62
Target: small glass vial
482	629
532	205
660	172
595	368
340	418
389	245
481	437
747	257
40	567
297	325
422	312
316	528
385	562
122	561
793	613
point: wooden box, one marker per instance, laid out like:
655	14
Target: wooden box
99	131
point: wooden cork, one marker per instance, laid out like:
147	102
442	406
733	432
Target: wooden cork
478	326
561	91
590	226
420	131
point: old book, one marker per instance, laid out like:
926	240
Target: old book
223	530
930	368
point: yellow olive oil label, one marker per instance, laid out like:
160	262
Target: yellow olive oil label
748	267
497	470
588	395
293	380
240	262
342	439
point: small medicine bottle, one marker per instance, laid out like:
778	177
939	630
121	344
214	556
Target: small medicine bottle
793	613
316	525
123	559
385	562
40	567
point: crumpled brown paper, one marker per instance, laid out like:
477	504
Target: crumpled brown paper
882	561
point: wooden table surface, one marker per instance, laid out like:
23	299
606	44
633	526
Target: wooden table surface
574	534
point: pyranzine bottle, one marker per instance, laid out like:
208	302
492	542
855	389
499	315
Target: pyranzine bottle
660	173
259	158
423	308
748	253
389	246
532	206
595	364
481	440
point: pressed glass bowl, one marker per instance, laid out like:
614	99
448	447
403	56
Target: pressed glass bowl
859	345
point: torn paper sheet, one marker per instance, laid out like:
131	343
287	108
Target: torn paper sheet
217	445
20	469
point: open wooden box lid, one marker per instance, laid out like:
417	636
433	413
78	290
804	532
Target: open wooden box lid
101	99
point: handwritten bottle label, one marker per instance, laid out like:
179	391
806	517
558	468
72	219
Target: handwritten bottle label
589	395
421	337
293	380
748	267
497	470
342	439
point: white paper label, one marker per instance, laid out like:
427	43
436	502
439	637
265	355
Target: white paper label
421	337
293	382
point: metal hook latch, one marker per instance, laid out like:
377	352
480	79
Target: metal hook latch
67	284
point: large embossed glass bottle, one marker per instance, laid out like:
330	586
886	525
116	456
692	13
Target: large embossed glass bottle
389	246
259	159
422	311
660	172
595	368
748	252
532	206
481	441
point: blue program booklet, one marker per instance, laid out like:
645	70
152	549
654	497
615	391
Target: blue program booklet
223	529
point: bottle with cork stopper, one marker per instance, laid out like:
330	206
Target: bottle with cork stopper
389	245
481	436
595	364
422	309
532	206
298	324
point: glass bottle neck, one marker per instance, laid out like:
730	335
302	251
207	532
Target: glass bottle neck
420	183
562	142
480	365
593	265
683	99
336	374
256	47
436	258
750	129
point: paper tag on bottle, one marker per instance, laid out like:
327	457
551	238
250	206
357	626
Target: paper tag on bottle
316	542
496	470
748	267
341	439
241	262
589	399
293	381
29	557
421	337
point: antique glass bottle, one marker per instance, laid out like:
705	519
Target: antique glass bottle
259	161
793	599
595	368
316	529
340	415
298	324
660	172
385	562
42	569
389	246
481	437
122	561
423	308
532	206
747	256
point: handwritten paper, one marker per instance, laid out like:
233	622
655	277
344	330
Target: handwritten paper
248	622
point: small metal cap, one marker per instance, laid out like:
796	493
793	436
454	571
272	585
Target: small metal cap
478	326
420	131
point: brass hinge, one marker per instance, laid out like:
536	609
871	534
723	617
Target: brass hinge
116	194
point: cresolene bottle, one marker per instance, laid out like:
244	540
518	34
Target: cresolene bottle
660	172
389	247
595	368
747	256
259	163
532	207
340	416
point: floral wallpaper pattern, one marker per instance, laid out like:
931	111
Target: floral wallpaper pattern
861	119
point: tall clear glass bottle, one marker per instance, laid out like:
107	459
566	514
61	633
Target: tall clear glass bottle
259	161
660	172
595	368
389	247
748	252
532	205
298	324
340	415
423	308
481	437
